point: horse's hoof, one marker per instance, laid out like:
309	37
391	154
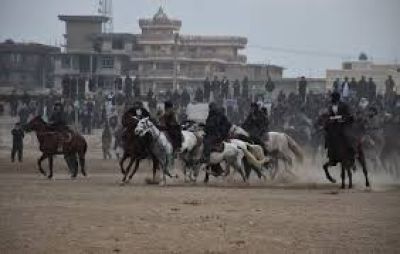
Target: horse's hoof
350	186
343	187
332	180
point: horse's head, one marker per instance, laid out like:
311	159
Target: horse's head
36	124
143	126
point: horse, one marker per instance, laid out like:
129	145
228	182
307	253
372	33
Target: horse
345	155
50	141
160	146
253	155
278	145
134	148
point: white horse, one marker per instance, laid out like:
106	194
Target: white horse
279	145
233	154
162	147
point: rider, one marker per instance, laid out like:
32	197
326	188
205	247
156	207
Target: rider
169	123
57	118
58	123
256	123
137	110
216	130
338	128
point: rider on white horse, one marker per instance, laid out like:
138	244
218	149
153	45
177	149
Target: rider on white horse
216	130
169	123
256	124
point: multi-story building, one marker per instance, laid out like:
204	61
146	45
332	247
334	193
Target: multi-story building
364	67
159	56
26	66
85	57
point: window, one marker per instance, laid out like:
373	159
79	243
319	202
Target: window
118	44
347	66
107	62
155	48
257	71
16	58
66	62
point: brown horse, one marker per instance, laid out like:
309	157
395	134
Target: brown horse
72	145
135	148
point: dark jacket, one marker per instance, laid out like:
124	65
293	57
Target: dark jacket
217	125
18	137
338	139
169	123
57	118
256	123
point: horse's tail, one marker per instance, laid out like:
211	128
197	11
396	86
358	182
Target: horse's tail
295	148
252	160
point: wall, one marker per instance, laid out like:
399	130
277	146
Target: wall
78	35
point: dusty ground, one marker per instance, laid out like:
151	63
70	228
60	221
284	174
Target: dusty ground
96	215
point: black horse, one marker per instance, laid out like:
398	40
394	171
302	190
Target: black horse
343	150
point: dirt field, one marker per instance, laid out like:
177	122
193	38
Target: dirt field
96	215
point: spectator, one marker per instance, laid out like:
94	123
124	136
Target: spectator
150	95
23	114
106	142
224	88
136	87
302	89
371	89
17	145
128	86
336	86
353	86
389	89
270	85
185	98
345	89
245	88
215	87
206	89
198	97
362	88
236	89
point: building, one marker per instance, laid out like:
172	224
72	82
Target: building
86	57
364	67
159	56
26	66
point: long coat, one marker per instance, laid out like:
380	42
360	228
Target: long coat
339	139
169	123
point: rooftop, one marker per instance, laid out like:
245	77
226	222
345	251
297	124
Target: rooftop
160	19
84	18
21	47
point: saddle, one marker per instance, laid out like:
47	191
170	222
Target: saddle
63	138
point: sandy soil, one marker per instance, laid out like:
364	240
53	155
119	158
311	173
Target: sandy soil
96	215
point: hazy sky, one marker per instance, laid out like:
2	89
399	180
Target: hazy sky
304	36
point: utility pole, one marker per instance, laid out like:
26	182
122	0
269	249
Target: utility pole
106	9
175	74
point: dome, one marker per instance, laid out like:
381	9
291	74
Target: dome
160	15
363	57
